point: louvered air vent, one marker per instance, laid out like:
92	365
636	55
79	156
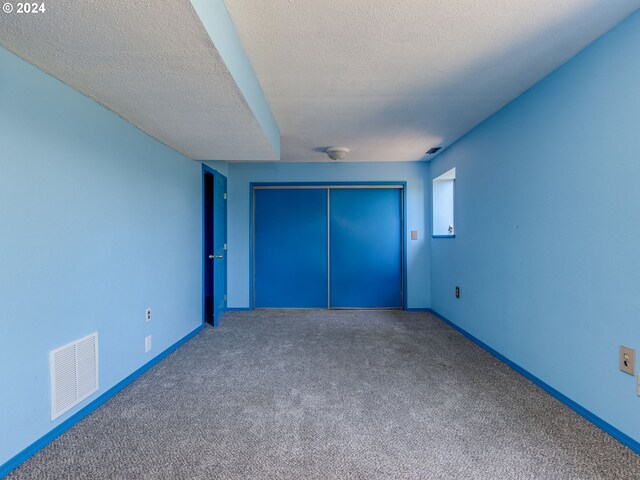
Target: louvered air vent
74	373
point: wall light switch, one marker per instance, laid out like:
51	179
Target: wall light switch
627	360
147	344
414	234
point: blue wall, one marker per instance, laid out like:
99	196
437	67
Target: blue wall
418	193
219	166
98	221
547	247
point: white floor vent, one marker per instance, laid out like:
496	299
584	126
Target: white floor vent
74	373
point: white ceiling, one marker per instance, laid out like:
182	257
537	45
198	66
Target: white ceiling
151	62
391	78
386	78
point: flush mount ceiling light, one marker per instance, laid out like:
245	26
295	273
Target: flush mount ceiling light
336	153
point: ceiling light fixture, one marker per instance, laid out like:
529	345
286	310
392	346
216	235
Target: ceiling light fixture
432	150
336	153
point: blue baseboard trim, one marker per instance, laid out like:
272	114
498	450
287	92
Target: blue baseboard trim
576	407
418	310
47	438
238	309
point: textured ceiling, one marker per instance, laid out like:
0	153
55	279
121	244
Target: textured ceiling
391	78
151	62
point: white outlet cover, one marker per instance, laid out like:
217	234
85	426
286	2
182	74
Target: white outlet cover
147	344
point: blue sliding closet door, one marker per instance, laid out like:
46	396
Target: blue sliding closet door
290	248
366	248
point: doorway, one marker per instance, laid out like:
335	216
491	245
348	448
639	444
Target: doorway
214	245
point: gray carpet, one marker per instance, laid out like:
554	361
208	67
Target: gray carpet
332	394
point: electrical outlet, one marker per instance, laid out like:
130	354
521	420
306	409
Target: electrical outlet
457	292
627	360
147	344
147	314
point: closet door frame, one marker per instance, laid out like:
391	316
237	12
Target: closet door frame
400	185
